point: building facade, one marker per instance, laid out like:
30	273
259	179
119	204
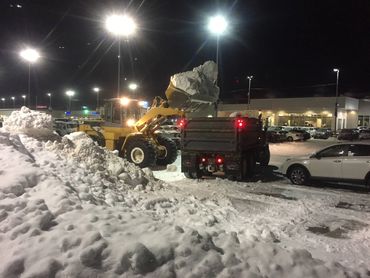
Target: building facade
314	111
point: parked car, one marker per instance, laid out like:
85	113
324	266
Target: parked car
293	136
364	134
340	162
275	136
64	128
348	134
311	130
306	135
322	133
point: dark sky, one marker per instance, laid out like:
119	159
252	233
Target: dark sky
290	46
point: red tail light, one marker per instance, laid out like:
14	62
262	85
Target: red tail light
240	123
219	160
181	123
203	160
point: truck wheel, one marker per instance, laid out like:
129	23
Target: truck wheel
170	153
193	174
140	152
248	166
264	156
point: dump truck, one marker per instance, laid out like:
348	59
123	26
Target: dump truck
138	141
225	146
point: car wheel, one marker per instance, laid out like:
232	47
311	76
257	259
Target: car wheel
290	139
298	175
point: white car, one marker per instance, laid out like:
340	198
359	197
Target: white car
340	162
364	134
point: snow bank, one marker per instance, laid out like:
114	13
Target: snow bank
27	119
70	208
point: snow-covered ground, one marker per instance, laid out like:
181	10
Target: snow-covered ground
69	208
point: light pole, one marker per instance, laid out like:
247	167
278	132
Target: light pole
97	90
3	100
49	95
24	100
336	101
70	94
133	87
217	25
250	77
31	56
13	99
120	26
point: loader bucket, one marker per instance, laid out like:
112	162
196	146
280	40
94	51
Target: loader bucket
180	99
191	90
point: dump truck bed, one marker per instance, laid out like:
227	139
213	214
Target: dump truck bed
220	134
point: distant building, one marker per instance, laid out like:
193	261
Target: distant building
308	111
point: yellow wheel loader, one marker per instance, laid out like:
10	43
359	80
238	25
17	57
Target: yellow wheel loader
137	140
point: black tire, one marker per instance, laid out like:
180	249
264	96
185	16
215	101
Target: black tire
290	139
248	166
193	175
140	152
98	138
264	156
367	181
171	151
298	175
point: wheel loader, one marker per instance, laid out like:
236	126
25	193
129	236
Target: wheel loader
137	140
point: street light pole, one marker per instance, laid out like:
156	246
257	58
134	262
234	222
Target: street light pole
24	100
13	99
120	26
31	56
70	94
49	95
336	101
250	77
97	90
3	100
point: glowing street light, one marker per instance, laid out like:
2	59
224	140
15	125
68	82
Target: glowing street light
24	100
31	56
70	94
133	86
49	95
3	101
124	101
336	101
13	99
250	77
97	90
217	25
120	26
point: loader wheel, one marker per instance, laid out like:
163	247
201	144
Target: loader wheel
264	156
98	139
170	153
140	152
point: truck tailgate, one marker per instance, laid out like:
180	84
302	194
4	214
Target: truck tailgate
209	134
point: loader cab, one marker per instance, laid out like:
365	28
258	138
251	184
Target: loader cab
123	111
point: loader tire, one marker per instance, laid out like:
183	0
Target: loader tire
171	151
140	152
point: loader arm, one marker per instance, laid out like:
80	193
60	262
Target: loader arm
155	115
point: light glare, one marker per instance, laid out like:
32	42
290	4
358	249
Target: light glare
217	25
30	55
70	93
120	25
124	101
130	122
133	86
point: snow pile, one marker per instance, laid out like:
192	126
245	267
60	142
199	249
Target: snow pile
74	209
27	119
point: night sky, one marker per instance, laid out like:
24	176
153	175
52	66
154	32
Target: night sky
290	47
